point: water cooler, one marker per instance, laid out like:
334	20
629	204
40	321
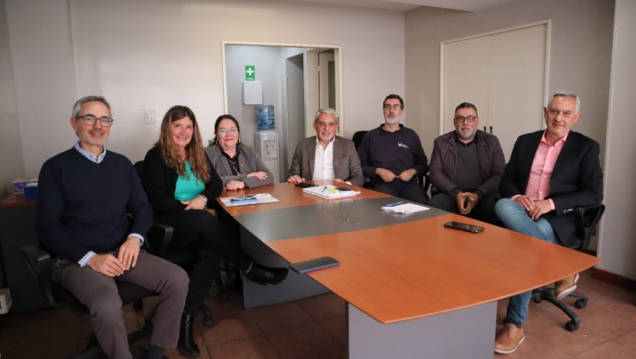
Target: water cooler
266	144
266	140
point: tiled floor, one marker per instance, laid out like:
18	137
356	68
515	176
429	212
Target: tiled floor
315	328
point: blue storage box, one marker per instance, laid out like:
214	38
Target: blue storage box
31	192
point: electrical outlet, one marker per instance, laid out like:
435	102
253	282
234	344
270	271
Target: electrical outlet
149	116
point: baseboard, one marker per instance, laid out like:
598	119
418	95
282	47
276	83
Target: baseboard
615	279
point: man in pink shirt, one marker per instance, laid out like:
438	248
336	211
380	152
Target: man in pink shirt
549	174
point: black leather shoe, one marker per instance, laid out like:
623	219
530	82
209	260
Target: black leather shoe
186	344
266	275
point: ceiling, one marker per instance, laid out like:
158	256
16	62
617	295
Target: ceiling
406	5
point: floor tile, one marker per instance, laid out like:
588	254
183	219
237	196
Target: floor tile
337	328
251	348
627	339
324	306
237	326
534	348
280	316
603	322
608	350
552	332
300	342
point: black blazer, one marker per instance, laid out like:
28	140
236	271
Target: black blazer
577	179
160	182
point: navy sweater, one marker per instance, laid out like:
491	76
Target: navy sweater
82	206
395	151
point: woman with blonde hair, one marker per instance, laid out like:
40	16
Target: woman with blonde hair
180	180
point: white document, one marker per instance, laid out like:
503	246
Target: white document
330	192
405	208
261	199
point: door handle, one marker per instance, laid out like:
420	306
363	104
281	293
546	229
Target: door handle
490	130
484	128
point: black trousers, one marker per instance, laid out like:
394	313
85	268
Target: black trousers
208	239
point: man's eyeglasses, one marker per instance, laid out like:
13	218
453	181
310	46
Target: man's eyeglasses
395	107
232	130
91	120
469	119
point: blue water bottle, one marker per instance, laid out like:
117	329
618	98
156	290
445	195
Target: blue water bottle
265	117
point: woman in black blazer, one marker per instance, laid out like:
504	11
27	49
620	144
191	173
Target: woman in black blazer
179	181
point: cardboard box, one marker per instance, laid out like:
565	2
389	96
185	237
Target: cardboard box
20	183
5	300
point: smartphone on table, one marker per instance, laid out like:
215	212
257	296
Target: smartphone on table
313	264
464	227
305	185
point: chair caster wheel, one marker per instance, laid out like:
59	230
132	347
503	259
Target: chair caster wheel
580	303
570	326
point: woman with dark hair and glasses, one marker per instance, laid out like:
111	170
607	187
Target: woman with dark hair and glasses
237	164
179	181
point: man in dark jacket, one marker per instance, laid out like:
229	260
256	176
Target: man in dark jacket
466	167
549	173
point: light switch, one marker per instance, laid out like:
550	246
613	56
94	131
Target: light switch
149	116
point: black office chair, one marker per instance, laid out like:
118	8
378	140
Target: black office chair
159	238
39	265
587	219
357	140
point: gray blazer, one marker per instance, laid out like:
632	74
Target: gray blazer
346	163
248	162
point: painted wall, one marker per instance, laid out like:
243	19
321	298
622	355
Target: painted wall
580	55
11	161
617	245
153	54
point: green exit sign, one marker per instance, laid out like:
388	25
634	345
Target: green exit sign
250	73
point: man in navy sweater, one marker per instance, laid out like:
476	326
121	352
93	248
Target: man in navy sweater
392	155
84	196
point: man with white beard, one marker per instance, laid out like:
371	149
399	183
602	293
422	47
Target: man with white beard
466	166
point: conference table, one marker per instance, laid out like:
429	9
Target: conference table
411	285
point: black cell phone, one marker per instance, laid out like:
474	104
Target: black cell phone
305	185
464	227
343	189
314	264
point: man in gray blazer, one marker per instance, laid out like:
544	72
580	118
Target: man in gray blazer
326	156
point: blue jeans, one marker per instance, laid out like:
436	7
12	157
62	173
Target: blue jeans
515	218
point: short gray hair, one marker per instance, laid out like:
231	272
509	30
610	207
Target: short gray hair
567	94
328	111
85	99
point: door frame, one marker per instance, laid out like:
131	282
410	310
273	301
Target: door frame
308	111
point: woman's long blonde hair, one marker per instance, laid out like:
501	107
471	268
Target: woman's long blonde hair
194	150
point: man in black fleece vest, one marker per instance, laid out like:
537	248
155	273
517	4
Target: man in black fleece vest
84	196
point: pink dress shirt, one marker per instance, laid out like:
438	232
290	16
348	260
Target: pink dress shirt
541	172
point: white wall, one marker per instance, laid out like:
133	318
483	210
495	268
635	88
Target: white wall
617	246
11	161
153	54
580	55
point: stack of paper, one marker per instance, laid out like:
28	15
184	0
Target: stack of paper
261	198
331	192
405	208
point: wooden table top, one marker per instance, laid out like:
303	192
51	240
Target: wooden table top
420	268
15	200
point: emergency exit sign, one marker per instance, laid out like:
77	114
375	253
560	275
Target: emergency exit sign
250	73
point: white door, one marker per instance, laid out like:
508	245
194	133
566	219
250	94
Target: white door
504	75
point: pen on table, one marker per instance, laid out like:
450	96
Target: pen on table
324	189
394	204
